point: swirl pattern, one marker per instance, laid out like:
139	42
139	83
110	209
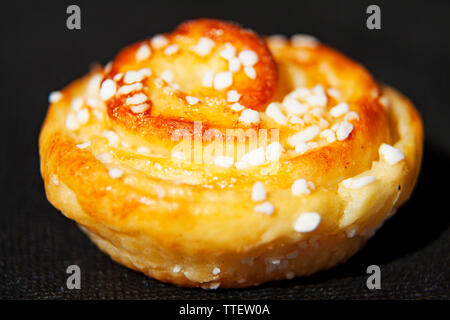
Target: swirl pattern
211	156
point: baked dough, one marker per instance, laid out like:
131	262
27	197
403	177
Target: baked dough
136	153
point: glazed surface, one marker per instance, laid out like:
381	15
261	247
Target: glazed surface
138	153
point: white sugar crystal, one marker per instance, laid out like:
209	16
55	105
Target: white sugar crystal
143	52
172	49
115	173
249	116
83	116
84	145
237	107
145	72
192	100
72	122
334	93
329	135
132	77
258	192
296	120
208	78
248	58
344	130
118	77
301	147
223	80
339	109
228	52
300	93
356	183
112	137
54	96
204	46
293	106
159	41
233	96
129	88
255	157
234	65
178	155
304	40
108	89
250	72
301	186
318	112
274	112
390	154
140	108
76	104
304	136
318	97
274	151
136	99
167	75
223	161
266	208
143	150
307	222
351	116
104	157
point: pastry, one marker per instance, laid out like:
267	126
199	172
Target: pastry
211	156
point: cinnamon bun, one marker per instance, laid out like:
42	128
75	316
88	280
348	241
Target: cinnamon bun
211	156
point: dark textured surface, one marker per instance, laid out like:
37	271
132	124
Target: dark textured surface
39	54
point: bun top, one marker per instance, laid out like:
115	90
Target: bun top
321	112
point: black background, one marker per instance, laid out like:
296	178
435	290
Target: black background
39	54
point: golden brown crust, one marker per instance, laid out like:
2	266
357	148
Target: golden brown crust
178	220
